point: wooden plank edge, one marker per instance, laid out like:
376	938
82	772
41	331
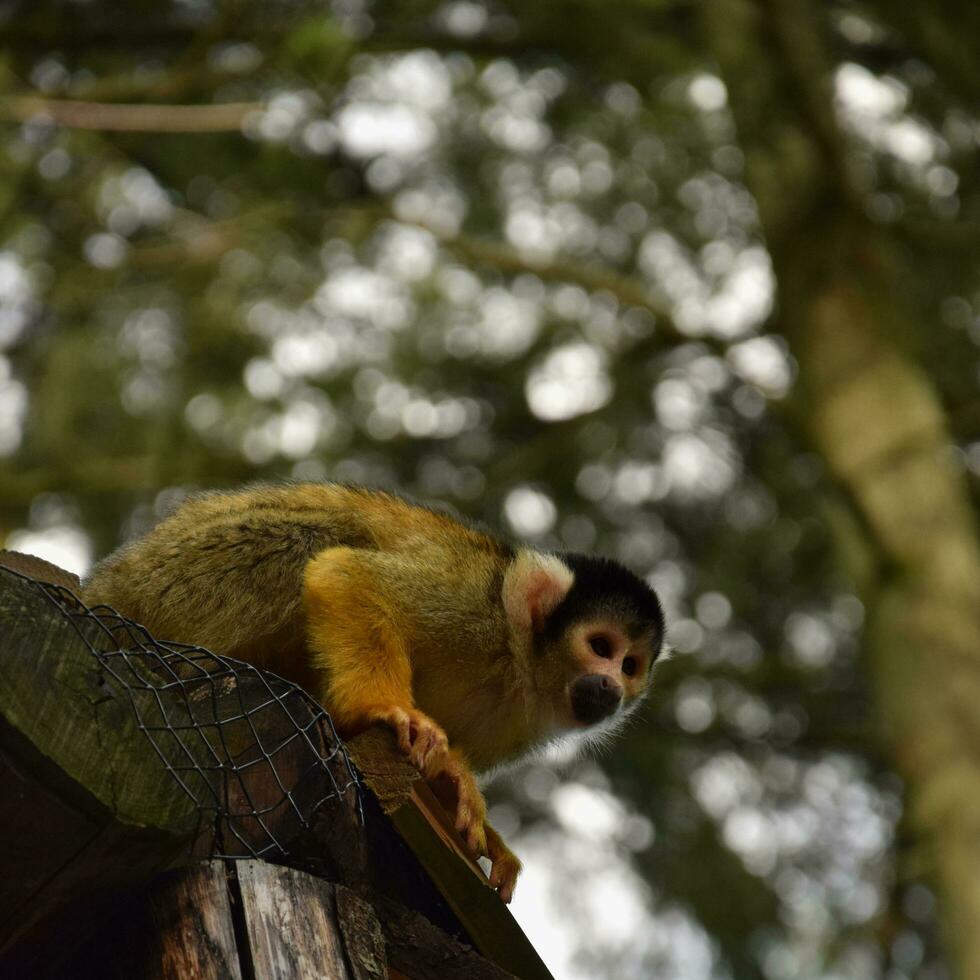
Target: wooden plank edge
486	919
424	825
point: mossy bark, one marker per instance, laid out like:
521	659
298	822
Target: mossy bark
877	421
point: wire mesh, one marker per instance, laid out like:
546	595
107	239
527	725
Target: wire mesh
255	753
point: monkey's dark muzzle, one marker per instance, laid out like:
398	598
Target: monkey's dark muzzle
595	697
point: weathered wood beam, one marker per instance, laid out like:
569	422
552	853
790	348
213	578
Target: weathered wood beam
81	783
89	805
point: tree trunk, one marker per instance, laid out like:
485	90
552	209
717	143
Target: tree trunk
876	419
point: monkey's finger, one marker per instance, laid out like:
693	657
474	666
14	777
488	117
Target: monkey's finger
464	816
435	757
475	841
503	878
400	723
468	810
420	738
470	828
420	747
499	873
429	748
505	866
438	754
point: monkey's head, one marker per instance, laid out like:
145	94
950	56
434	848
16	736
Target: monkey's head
594	629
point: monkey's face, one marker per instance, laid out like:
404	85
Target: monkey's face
596	669
608	669
595	630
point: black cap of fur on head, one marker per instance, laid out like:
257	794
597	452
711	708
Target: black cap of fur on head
603	586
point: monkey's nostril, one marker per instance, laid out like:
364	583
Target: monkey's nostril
601	646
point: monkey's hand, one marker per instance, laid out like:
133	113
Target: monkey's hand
419	737
505	867
456	788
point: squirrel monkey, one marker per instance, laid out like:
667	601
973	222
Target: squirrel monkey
472	650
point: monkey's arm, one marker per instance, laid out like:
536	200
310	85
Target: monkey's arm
455	787
352	625
355	628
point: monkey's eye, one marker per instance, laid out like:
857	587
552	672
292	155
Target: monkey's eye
601	646
629	666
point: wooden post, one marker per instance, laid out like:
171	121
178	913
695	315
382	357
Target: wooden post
188	929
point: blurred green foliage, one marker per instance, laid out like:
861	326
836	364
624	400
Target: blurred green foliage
503	256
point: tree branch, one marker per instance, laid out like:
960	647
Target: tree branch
132	118
628	290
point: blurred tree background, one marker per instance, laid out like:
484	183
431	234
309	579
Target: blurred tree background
692	284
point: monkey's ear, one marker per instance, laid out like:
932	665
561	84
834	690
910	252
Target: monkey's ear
534	584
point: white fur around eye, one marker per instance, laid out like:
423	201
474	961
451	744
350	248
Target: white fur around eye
533	586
